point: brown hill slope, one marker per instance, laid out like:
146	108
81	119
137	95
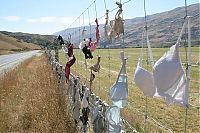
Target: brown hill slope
163	28
11	45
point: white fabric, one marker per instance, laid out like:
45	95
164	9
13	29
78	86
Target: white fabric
96	112
113	118
167	70
77	95
119	91
81	45
169	76
168	80
87	92
84	102
76	110
144	80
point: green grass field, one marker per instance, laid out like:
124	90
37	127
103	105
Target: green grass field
161	118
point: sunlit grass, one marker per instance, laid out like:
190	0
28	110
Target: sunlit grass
31	100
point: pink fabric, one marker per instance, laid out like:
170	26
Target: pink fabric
93	46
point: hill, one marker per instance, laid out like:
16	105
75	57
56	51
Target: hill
163	28
41	40
10	45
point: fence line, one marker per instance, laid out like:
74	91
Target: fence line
58	68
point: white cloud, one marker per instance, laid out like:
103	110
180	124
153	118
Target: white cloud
51	19
65	20
12	18
48	19
58	20
31	20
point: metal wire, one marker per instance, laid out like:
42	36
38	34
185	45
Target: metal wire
146	99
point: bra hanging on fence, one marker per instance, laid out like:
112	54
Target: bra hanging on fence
114	120
119	91
168	79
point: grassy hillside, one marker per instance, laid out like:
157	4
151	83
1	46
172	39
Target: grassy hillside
10	45
41	40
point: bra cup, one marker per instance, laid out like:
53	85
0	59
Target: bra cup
119	94
167	70
77	95
84	102
166	73
144	80
119	91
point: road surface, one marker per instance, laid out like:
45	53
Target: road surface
8	62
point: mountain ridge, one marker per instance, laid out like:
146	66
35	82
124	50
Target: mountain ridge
163	28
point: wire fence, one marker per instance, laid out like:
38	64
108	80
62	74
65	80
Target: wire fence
145	114
160	118
68	91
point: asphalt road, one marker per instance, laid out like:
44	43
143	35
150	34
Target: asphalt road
10	61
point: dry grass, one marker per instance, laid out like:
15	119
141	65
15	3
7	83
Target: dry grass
31	100
10	45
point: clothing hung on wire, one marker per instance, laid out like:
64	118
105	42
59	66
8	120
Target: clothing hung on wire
93	44
77	102
70	48
60	39
98	123
168	79
71	61
84	46
85	105
96	67
114	120
65	50
85	114
85	99
144	79
92	77
97	31
113	29
76	110
107	27
119	91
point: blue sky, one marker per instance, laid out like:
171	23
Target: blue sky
49	16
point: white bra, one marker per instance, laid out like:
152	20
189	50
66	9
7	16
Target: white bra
114	120
168	79
119	91
144	80
84	101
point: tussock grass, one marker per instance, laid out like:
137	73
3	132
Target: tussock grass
31	100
